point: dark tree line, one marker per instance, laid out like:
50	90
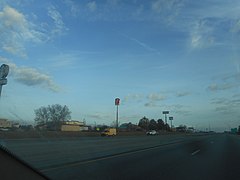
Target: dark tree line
147	124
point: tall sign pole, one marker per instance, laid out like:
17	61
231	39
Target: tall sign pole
171	119
165	113
4	70
117	102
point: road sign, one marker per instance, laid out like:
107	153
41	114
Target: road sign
117	101
170	118
4	70
165	112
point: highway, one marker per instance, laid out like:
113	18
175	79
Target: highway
213	156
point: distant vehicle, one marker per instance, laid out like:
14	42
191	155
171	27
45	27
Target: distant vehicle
109	132
152	132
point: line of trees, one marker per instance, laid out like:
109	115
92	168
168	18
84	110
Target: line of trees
147	124
52	116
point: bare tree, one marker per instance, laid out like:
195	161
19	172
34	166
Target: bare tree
53	114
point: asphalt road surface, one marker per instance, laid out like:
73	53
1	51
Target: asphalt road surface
215	156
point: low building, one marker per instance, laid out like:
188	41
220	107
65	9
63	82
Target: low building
74	126
74	123
4	123
68	127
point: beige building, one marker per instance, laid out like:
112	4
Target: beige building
74	123
73	126
4	123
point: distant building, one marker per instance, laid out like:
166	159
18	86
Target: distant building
74	123
74	126
4	123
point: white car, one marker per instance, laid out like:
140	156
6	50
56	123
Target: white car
152	132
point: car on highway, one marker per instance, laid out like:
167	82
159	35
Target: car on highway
152	133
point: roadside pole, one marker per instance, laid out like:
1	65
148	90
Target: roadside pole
171	119
117	102
165	113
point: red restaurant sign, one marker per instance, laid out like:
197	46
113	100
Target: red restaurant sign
117	101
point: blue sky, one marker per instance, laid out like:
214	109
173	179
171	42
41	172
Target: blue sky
176	55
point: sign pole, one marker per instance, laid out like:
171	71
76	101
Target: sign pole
117	102
165	118
165	113
171	119
0	90
117	118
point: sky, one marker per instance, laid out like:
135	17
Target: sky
156	55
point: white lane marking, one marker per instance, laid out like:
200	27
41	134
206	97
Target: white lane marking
195	152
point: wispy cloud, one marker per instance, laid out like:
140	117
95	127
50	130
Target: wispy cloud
227	105
15	30
225	82
156	97
142	44
182	94
202	34
167	10
151	104
213	23
153	99
133	97
219	87
92	6
31	77
178	109
57	19
73	6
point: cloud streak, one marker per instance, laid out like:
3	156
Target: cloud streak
31	77
221	87
59	26
226	82
144	45
182	94
92	6
156	97
227	105
15	30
